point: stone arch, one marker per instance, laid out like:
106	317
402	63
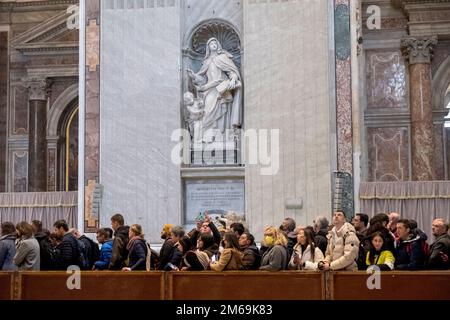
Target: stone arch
440	85
226	32
59	107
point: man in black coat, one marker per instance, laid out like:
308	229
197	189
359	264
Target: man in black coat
119	249
168	246
47	252
251	259
321	230
67	252
440	249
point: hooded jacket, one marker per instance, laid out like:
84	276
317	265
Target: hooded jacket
119	248
409	254
105	256
251	258
343	247
48	260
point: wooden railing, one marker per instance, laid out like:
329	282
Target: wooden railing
285	285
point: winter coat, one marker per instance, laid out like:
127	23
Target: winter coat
137	254
230	259
384	260
305	257
27	254
342	249
48	259
165	253
409	254
211	250
292	241
7	252
321	240
442	244
119	249
274	259
105	256
67	252
251	259
175	259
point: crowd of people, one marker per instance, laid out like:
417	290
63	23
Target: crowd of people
386	242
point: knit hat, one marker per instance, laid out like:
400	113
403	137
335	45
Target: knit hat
167	228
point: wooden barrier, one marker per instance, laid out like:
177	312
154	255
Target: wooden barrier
94	286
6	285
396	285
237	285
256	285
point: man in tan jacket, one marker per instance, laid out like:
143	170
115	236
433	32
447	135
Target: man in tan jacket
343	246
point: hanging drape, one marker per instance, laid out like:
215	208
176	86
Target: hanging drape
44	206
422	201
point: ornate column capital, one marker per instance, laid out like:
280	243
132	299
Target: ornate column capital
38	89
418	50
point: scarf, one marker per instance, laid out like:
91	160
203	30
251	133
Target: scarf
132	240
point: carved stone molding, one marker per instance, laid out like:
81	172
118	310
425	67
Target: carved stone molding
38	89
418	50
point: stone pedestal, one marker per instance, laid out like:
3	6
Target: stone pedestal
37	149
418	51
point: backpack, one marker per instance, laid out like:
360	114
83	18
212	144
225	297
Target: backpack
83	260
94	252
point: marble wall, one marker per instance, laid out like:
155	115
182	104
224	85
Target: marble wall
387	114
287	87
140	107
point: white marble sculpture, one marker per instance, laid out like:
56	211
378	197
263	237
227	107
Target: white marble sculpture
218	85
194	115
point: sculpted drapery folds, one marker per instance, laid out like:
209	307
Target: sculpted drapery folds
218	85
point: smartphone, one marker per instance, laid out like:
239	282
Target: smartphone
172	266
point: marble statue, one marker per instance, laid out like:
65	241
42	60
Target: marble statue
194	115
218	84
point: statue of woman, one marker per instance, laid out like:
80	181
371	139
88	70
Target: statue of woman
218	82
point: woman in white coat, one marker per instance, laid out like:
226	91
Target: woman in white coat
306	255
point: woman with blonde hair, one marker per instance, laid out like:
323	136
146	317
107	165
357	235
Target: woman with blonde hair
305	255
275	258
231	257
137	249
28	252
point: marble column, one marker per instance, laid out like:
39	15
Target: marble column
419	52
37	144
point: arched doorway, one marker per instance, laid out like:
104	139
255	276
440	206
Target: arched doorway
68	148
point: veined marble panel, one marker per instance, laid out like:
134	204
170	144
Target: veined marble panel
140	107
287	87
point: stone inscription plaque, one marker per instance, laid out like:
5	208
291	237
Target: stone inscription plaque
215	196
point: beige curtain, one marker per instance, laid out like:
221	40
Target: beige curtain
422	201
44	206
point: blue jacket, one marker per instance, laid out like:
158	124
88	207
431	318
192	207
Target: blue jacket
7	252
105	256
409	254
